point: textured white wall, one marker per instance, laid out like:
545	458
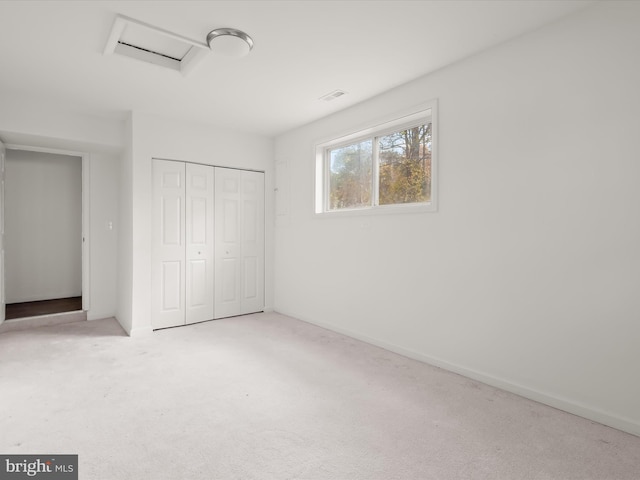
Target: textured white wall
156	137
43	226
527	276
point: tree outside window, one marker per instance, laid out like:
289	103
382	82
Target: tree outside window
405	166
403	160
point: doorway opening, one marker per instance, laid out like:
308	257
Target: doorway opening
43	237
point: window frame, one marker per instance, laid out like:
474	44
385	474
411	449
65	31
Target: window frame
420	114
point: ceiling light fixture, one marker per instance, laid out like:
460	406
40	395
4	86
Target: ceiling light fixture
229	42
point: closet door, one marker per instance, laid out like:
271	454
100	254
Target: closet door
252	242
239	244
168	248
199	243
227	233
182	272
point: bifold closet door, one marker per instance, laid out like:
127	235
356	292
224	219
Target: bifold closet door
239	242
199	269
182	251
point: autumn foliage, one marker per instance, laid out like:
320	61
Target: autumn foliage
403	175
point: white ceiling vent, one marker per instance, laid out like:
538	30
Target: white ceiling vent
145	42
333	95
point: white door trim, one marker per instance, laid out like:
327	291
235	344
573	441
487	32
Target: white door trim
86	213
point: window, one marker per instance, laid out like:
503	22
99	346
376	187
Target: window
389	167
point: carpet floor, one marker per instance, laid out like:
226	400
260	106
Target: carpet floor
266	396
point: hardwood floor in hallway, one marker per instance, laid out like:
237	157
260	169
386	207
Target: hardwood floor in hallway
42	307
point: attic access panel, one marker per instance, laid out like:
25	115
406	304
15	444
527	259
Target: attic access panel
141	41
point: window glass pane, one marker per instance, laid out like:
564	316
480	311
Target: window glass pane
350	174
405	166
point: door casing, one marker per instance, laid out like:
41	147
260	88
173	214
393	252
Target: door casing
86	221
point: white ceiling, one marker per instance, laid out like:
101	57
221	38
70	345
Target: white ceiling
51	53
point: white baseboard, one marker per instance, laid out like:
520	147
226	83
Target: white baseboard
91	315
140	332
591	413
135	332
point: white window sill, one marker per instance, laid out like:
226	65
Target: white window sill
379	210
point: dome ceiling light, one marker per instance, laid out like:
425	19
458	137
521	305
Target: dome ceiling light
229	42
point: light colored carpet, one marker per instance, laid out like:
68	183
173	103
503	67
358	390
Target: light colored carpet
268	397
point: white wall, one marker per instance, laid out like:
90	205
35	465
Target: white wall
43	226
155	137
30	119
527	276
125	233
104	170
